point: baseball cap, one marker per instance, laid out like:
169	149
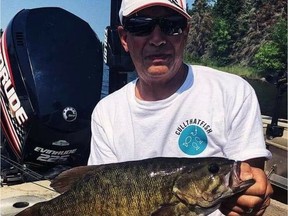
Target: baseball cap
132	6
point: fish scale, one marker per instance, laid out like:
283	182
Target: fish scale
156	187
135	195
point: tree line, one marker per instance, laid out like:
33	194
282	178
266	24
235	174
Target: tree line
251	33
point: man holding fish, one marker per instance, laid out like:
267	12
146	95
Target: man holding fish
179	110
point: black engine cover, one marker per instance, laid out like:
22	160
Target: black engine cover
51	68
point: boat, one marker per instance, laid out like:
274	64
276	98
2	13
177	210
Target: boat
58	120
276	168
17	197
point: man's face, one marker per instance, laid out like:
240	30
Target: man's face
156	56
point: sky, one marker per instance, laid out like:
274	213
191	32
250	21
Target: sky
95	12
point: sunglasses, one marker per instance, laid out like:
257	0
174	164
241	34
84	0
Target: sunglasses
143	26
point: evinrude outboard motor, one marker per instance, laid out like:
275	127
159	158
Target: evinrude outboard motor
51	67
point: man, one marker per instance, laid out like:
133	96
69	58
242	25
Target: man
178	110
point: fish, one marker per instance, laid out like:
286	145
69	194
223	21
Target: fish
162	186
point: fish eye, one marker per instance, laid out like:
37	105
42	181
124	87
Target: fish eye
213	168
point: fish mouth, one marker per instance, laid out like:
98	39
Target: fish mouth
235	183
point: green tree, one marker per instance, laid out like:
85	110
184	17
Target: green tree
229	11
225	30
221	41
200	29
272	55
279	37
267	58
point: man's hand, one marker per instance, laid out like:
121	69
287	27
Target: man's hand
256	198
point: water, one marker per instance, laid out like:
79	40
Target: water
105	82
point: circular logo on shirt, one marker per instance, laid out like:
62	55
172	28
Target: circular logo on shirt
193	140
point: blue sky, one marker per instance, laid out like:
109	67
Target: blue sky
95	12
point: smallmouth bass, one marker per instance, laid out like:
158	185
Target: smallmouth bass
150	187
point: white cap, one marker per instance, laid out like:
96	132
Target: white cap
129	7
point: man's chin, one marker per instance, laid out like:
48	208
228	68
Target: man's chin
158	70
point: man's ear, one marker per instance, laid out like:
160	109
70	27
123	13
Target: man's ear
123	37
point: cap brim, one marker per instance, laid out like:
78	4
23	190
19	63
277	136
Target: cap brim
134	8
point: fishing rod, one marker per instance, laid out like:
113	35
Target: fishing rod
23	168
27	171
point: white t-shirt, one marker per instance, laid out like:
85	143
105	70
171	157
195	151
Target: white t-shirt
212	114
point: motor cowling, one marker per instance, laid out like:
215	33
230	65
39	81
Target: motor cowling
51	68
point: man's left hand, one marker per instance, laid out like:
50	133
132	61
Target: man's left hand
255	199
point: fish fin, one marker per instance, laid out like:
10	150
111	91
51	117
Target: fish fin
173	209
65	180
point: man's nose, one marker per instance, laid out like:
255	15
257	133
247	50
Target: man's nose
157	37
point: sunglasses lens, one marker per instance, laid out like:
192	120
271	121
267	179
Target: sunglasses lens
139	26
143	26
173	25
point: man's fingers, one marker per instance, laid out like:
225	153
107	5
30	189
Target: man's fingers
262	187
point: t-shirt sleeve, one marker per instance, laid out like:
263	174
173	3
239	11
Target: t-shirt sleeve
245	132
100	152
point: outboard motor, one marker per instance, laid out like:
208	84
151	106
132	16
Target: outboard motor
51	67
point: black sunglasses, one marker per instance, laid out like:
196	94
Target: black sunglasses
143	26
